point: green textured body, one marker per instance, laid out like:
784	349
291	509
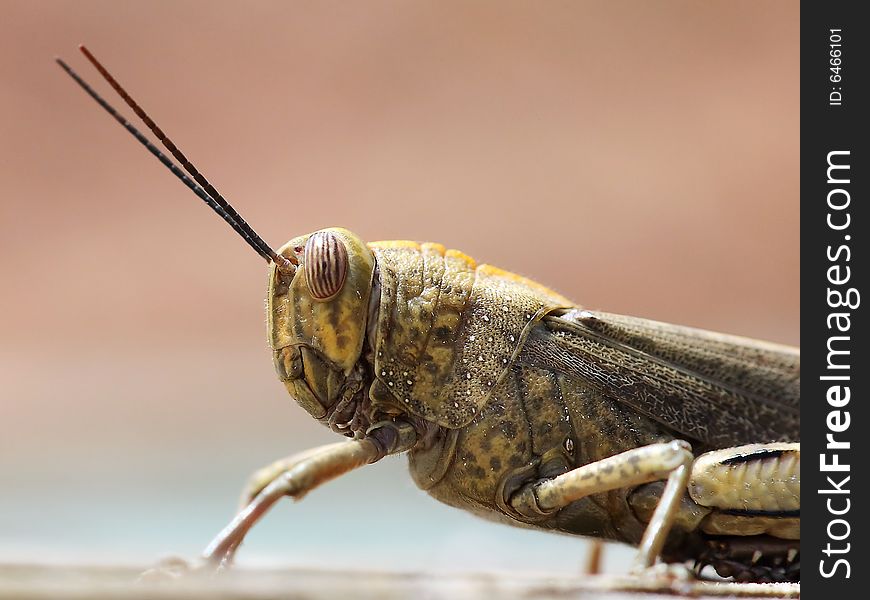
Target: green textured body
481	353
508	384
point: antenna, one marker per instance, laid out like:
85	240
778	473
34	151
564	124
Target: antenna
207	192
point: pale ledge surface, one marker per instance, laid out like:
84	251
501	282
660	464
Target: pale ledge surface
57	582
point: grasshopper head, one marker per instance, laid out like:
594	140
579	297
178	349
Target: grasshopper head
317	317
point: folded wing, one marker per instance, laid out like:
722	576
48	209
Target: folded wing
710	388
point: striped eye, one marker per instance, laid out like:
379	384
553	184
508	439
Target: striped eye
325	261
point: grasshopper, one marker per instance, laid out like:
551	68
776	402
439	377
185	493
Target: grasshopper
517	405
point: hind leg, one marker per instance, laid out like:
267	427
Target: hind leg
743	504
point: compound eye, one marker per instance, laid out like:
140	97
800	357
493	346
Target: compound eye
325	259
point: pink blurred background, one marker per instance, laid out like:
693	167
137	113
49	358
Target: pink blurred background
639	157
